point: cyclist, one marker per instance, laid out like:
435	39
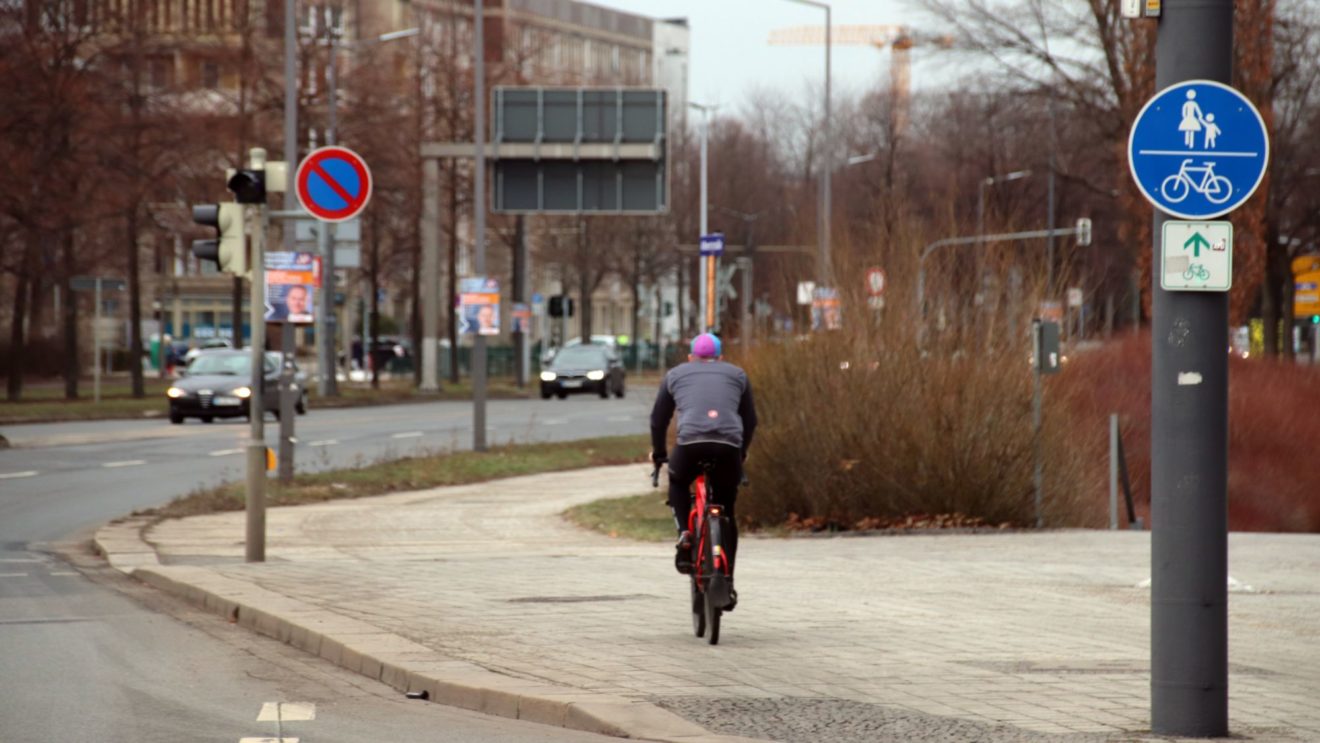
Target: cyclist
716	422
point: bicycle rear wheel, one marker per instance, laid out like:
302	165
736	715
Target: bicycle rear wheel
698	609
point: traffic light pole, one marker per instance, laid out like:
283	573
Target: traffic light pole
479	216
255	542
1189	439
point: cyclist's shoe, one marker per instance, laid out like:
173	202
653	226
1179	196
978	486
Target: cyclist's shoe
683	553
733	600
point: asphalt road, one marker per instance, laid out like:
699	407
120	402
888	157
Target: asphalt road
90	655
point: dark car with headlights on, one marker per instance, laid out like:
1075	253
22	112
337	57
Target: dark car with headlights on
587	368
218	384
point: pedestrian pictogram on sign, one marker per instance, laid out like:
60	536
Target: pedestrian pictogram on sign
333	184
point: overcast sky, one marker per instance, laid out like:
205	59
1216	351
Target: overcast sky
731	56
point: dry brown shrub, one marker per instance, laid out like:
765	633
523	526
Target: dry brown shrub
877	421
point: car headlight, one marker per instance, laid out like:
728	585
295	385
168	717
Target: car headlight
595	376
175	392
243	392
548	376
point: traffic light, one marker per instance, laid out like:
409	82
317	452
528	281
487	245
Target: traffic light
561	306
249	186
1083	231
229	249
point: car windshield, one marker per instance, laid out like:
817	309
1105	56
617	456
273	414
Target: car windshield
580	356
236	364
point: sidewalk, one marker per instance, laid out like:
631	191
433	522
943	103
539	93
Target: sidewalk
484	597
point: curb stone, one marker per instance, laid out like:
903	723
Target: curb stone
391	659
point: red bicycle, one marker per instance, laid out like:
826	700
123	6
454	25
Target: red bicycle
711	576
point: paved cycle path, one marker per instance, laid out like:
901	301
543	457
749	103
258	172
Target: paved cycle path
483	596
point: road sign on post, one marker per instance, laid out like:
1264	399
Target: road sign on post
1197	256
876	282
1198	149
333	184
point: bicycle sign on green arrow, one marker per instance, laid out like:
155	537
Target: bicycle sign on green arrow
1197	256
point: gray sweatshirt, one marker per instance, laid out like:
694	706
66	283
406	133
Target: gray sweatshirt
714	403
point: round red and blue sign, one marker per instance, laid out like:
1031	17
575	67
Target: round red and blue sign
333	184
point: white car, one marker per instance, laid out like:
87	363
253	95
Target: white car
210	344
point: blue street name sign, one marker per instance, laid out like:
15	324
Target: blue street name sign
713	244
1198	149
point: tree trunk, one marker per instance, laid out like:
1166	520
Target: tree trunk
17	345
134	306
415	317
72	368
681	299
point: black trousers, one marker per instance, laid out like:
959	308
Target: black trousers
725	475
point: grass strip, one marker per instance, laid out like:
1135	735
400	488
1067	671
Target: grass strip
643	517
415	473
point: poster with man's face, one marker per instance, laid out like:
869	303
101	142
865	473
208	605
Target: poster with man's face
479	306
292	280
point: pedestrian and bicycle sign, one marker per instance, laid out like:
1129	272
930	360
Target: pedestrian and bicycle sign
1198	149
1196	256
333	184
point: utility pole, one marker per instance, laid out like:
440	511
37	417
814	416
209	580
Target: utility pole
255	542
325	241
1189	439
479	215
291	114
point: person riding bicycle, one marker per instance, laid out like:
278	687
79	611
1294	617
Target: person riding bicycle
716	422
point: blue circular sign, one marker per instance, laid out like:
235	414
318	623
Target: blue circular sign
1198	149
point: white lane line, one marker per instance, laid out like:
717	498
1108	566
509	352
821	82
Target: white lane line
553	422
63	574
19	559
326	442
267	740
287	712
16	475
13	575
408	435
126	463
225	452
620	418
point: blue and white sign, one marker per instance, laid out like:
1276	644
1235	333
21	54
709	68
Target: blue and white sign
713	244
1198	149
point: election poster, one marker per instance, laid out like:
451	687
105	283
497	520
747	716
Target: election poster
479	306
292	280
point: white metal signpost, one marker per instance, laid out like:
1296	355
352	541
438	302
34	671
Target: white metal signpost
1197	256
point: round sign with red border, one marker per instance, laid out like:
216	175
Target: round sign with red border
333	184
876	281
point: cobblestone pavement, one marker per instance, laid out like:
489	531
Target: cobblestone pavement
1006	636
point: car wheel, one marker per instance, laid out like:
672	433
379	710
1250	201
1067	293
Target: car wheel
208	419
176	418
545	394
301	407
619	392
604	390
561	394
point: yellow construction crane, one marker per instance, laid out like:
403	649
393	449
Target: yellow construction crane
899	39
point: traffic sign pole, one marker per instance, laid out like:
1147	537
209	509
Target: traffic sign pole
255	534
1189	439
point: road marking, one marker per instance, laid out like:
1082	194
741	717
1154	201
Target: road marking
64	574
326	442
267	740
408	435
554	422
20	559
225	452
620	418
16	475
126	463
287	712
13	575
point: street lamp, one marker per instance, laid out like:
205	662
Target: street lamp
823	260
708	263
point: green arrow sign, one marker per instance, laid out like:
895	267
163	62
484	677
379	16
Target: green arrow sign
1195	243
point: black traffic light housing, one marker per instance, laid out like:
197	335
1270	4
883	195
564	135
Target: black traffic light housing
561	306
248	186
